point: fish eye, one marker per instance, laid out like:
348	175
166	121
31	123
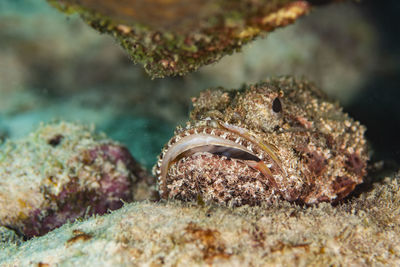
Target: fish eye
276	105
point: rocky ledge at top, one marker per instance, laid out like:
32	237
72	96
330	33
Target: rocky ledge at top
175	37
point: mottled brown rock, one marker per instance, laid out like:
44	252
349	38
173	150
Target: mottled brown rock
278	139
179	36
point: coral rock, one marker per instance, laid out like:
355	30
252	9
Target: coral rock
59	173
175	37
365	231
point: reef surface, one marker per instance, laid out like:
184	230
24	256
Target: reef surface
365	230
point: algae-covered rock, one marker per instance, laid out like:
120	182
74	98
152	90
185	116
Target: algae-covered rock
8	236
175	37
61	172
365	231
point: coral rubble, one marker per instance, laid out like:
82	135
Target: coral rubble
61	172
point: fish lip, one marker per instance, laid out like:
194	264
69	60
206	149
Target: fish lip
215	136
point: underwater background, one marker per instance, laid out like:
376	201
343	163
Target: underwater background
54	67
71	195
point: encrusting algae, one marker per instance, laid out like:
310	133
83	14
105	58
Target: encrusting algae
175	37
364	231
61	172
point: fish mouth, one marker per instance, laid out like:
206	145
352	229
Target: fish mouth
220	150
229	141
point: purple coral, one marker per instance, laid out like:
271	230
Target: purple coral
66	173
